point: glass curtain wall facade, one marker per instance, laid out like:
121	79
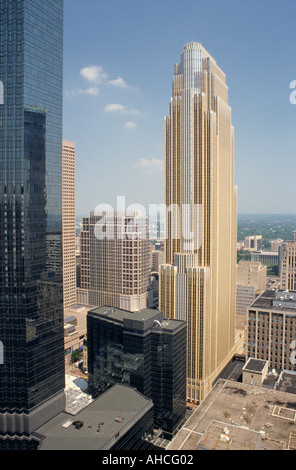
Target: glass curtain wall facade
31	290
149	355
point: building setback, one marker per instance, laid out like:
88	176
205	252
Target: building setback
31	289
144	351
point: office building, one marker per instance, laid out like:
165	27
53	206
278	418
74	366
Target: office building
31	289
75	329
253	243
115	251
288	265
250	282
251	273
198	279
271	328
69	225
144	351
275	244
268	258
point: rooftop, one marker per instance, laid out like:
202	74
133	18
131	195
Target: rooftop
118	314
255	365
147	317
286	381
276	299
237	416
99	425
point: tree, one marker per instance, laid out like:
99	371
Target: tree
76	355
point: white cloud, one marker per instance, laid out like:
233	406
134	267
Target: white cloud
96	75
130	125
93	74
116	107
152	166
119	82
94	91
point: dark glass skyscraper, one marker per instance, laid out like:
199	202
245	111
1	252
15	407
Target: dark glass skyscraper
142	351
31	314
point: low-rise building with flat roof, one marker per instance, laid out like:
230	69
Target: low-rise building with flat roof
239	416
120	419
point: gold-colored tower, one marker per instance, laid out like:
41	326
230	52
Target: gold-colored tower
69	225
198	281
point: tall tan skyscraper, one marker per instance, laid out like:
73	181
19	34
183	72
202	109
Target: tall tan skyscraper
69	225
198	281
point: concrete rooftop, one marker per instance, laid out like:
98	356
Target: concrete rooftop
237	416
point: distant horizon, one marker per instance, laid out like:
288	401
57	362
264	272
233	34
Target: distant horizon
238	214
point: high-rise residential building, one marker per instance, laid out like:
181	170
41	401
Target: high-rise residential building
198	281
31	289
69	225
250	282
288	265
144	351
115	253
271	328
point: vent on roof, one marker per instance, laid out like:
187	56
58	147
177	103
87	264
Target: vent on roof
110	311
78	424
66	424
118	419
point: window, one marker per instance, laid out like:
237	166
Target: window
1	93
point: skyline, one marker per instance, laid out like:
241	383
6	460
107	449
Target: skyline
170	108
117	69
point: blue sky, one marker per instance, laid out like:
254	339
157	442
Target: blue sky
119	58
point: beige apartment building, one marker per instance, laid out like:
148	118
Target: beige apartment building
275	244
288	265
69	225
115	258
198	279
250	282
271	329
